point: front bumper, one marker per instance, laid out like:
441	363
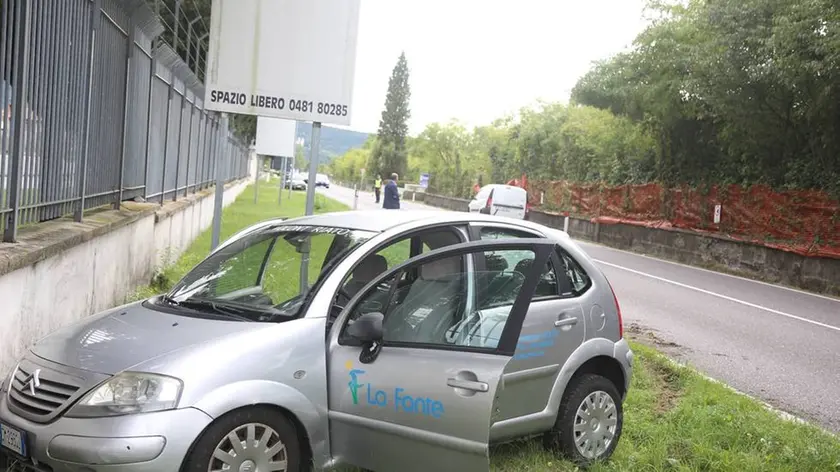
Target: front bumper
149	442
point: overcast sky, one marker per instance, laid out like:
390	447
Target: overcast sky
476	60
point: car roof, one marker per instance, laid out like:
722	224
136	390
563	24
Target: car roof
504	186
365	220
376	220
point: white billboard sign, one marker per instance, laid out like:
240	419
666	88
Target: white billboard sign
292	59
275	137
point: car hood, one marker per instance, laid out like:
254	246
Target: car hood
119	339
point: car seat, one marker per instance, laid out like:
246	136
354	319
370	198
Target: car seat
370	268
430	304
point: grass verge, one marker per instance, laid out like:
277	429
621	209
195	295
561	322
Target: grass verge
675	419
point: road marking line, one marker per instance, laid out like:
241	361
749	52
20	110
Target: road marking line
725	297
687	266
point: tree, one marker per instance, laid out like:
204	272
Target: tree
390	152
712	92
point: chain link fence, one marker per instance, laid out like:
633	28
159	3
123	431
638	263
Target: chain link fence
97	110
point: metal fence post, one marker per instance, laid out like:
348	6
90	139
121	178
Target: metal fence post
179	141
127	97
20	58
181	116
94	26
149	117
189	147
166	139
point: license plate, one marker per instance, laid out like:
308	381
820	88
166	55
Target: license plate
13	439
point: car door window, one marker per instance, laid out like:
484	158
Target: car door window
497	266
573	280
396	253
494	232
432	308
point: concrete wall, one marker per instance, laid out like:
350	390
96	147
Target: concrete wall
821	275
61	271
450	203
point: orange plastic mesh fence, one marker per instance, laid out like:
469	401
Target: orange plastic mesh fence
806	222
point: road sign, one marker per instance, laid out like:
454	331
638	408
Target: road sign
254	44
275	137
717	214
424	180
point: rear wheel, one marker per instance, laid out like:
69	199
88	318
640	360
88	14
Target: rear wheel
589	422
248	440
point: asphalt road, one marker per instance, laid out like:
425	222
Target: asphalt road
778	344
366	200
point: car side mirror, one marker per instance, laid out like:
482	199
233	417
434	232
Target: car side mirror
368	328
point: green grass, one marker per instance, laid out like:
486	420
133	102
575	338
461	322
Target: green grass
236	217
675	419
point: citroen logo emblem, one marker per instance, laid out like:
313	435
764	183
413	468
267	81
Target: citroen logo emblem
33	380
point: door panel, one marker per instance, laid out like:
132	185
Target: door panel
554	327
541	344
405	409
427	400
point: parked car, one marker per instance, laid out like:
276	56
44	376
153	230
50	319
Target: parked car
321	180
501	200
402	343
296	182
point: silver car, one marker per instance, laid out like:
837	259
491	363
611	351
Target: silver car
406	341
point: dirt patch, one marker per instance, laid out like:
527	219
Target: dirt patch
644	335
670	386
669	382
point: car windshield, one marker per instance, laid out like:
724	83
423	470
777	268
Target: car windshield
265	275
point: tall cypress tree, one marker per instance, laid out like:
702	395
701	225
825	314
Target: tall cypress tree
390	154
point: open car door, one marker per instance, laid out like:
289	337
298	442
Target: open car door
416	358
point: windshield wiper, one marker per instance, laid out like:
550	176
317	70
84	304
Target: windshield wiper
169	300
219	308
249	308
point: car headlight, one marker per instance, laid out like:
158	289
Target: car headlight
129	392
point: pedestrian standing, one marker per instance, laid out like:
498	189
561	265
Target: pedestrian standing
391	200
377	187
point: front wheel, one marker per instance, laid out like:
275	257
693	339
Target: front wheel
250	439
589	422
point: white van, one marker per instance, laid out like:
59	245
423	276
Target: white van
502	200
321	180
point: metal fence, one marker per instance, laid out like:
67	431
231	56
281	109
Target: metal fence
96	111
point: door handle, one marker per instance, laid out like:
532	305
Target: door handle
566	322
473	385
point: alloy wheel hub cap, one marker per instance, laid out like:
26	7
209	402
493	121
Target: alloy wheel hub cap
253	447
595	425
